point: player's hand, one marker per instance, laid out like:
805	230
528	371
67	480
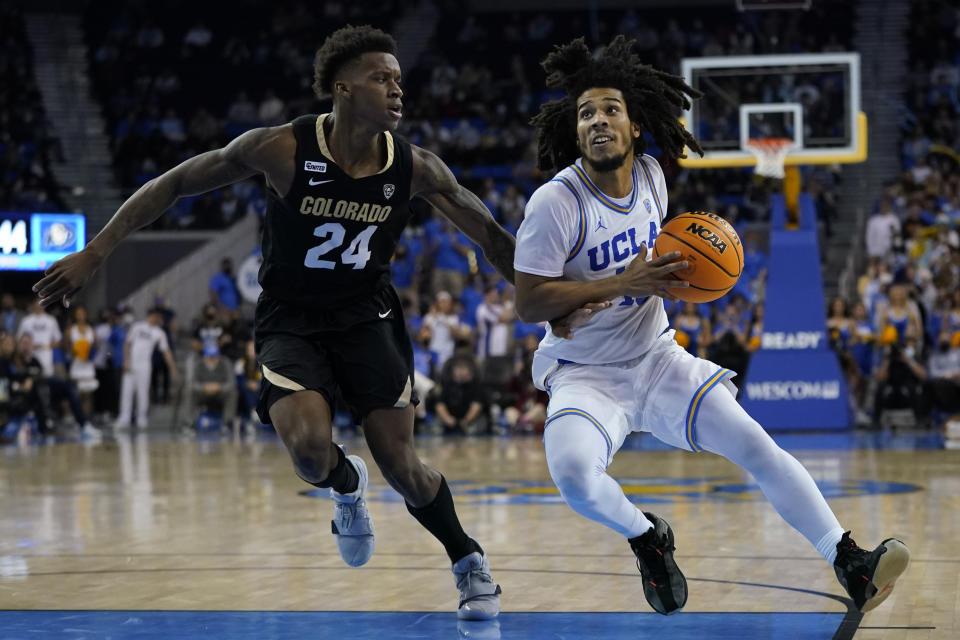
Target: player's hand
642	278
65	277
563	327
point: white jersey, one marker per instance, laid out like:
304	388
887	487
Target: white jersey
45	332
493	334
571	229
144	338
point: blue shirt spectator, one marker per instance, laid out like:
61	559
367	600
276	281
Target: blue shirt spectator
118	336
425	361
471	298
444	241
403	267
223	287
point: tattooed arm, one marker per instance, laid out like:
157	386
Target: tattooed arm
269	151
433	181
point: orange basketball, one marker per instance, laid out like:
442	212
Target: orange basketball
711	246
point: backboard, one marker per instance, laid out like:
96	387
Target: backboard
814	99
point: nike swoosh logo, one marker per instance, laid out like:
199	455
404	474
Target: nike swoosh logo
384	314
314	183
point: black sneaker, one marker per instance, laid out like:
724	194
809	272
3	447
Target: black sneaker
868	576
663	585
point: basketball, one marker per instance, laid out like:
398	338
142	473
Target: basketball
711	247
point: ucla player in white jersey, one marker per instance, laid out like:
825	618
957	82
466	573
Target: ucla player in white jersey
584	244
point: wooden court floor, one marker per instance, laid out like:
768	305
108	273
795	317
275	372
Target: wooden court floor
150	537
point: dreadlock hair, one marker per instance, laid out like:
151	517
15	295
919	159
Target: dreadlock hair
653	98
342	47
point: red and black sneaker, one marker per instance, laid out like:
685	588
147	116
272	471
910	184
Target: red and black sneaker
663	584
868	576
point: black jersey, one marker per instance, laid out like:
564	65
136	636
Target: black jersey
331	238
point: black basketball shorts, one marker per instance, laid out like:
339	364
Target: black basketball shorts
358	355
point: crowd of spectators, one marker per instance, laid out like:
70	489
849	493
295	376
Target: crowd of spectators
153	78
899	337
469	98
26	142
70	374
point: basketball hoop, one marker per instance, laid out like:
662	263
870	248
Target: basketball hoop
771	154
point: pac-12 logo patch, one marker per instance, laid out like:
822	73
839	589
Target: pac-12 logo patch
646	203
388	190
316	167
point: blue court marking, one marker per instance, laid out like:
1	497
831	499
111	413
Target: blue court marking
366	625
656	490
846	440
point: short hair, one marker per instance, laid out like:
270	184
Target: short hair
654	99
342	47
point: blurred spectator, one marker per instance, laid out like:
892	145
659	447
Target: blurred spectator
160	380
941	388
51	391
10	315
529	409
80	342
460	402
899	383
728	344
19	384
242	111
899	321
271	109
235	337
882	226
249	377
44	333
494	326
210	331
692	330
404	269
426	366
842	333
450	249
445	327
512	206
142	338
107	393
211	387
223	288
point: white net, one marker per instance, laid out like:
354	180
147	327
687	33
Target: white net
770	153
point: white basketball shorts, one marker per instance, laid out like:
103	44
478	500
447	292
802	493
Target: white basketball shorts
660	392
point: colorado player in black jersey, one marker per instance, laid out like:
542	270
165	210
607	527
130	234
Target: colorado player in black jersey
328	319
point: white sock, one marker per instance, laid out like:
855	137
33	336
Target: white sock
827	545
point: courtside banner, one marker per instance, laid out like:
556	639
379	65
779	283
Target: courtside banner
794	380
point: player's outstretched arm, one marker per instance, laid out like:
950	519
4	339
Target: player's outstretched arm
433	181
264	150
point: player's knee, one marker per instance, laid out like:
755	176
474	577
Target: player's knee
573	474
312	464
311	454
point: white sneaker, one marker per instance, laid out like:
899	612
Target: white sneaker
90	432
352	526
479	594
121	426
